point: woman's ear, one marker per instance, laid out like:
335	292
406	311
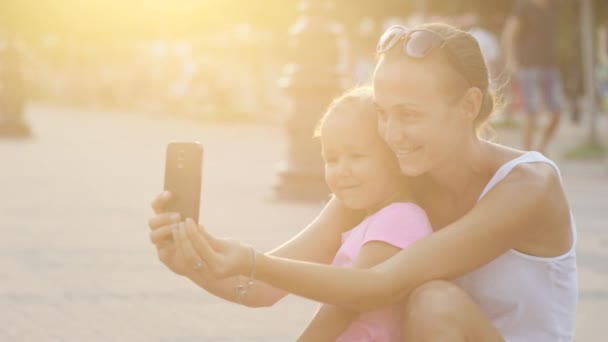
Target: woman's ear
471	103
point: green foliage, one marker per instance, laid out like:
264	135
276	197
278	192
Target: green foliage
587	151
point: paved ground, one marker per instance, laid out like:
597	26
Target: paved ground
76	264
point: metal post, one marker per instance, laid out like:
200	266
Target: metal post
12	90
311	80
587	37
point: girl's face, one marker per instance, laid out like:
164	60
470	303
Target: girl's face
420	122
359	168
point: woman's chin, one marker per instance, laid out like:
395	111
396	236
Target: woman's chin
411	170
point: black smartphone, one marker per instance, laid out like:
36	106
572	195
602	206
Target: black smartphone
183	174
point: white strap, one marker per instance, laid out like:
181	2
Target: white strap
506	168
528	157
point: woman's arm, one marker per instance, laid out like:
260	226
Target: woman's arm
496	224
317	243
330	321
491	228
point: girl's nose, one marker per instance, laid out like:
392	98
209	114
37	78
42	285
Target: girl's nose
344	168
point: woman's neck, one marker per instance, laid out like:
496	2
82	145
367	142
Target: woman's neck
456	174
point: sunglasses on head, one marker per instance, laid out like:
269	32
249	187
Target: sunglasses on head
416	43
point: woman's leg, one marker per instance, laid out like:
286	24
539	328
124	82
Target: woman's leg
441	311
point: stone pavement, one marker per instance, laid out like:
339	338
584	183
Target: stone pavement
76	263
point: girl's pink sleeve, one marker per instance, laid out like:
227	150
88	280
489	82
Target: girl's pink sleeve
398	224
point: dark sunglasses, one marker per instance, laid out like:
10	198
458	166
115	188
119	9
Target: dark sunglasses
417	43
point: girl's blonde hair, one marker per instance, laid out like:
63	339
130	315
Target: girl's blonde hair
355	101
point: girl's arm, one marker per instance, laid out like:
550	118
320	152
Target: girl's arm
390	230
330	321
499	221
318	243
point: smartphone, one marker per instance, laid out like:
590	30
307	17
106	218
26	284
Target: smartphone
183	174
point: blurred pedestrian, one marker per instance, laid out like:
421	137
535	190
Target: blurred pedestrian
530	38
602	67
570	57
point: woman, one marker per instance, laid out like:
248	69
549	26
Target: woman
503	231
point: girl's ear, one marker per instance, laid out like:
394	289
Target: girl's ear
470	103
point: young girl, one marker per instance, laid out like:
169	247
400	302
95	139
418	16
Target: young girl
364	174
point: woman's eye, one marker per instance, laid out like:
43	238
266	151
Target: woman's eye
408	115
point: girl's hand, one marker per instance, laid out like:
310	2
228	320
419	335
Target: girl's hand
214	257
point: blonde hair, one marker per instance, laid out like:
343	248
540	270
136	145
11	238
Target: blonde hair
355	101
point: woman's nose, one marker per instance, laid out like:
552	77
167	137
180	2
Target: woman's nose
393	132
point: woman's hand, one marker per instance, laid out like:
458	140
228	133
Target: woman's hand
161	227
216	258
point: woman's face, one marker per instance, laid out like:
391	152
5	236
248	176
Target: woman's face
417	116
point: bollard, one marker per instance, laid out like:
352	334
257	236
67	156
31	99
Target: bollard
12	91
311	79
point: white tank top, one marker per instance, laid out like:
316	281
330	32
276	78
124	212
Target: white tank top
527	298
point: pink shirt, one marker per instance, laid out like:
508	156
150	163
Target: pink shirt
398	224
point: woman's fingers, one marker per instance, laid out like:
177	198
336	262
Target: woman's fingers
200	241
215	243
188	250
159	203
161	235
163	219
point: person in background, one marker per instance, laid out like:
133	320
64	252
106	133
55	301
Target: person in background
530	44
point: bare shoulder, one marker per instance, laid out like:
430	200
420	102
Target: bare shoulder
538	180
538	190
532	179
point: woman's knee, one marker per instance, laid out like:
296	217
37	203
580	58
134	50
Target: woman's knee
436	308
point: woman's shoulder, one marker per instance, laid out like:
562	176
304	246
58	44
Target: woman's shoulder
527	163
497	155
531	195
527	173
